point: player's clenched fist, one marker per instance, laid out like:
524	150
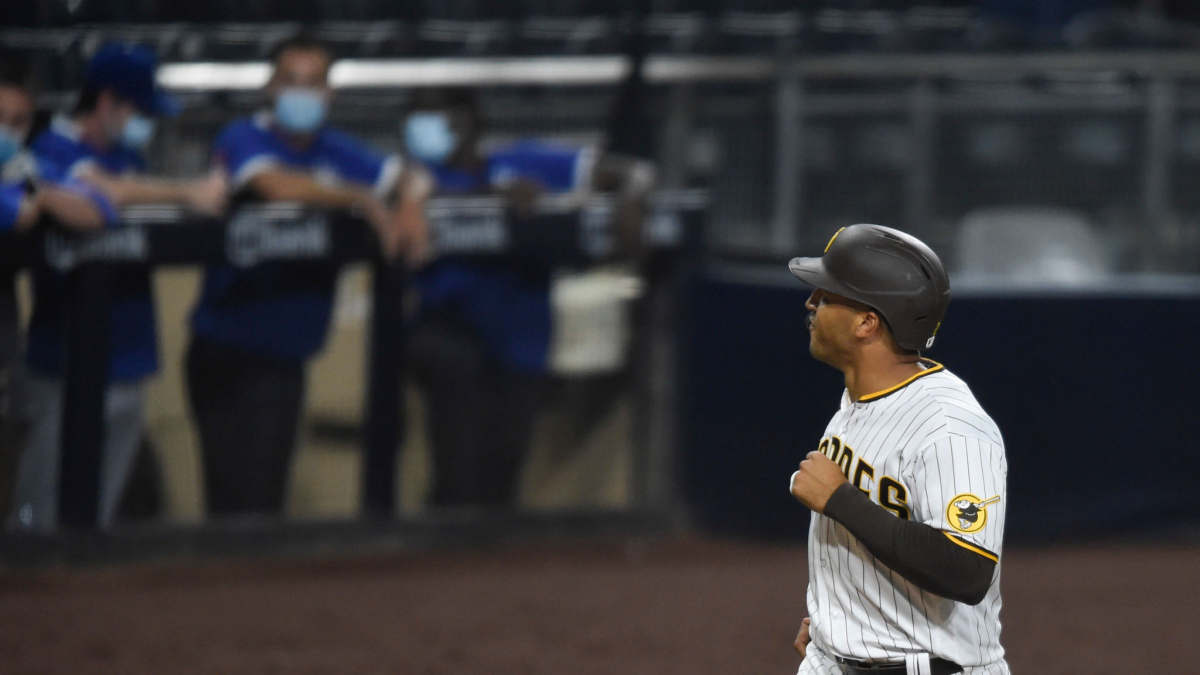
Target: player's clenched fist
802	639
816	480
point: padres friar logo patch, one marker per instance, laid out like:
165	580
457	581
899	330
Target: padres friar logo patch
968	513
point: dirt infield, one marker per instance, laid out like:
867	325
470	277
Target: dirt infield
687	607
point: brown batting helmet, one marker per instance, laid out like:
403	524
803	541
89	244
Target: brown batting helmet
890	271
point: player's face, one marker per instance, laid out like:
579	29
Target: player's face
114	113
301	69
831	327
16	110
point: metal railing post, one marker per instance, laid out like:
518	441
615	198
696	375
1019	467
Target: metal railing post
785	218
85	381
672	159
1159	234
918	187
385	414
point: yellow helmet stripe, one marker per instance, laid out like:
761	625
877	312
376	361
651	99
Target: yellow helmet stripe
835	235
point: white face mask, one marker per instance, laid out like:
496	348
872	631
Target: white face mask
301	110
137	132
10	143
428	137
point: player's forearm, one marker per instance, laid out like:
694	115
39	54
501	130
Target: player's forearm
286	186
69	209
414	184
921	554
131	191
27	214
631	177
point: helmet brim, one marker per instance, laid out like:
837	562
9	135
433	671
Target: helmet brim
812	272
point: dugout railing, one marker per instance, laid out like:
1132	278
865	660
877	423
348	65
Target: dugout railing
561	232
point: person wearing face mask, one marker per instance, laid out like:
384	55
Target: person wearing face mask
254	329
24	198
89	165
18	212
481	337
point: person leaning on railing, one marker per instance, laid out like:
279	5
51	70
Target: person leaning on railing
24	199
481	337
88	166
254	329
18	212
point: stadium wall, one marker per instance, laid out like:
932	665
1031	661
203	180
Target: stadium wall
1093	390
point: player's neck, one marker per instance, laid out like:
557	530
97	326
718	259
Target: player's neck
467	159
877	372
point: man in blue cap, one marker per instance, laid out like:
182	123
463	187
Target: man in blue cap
98	147
24	198
19	210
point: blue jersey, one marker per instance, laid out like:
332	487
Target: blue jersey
507	305
281	309
11	197
10	207
61	155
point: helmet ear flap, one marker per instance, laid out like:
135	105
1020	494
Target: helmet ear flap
892	334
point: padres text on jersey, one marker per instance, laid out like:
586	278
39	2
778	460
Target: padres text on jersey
924	450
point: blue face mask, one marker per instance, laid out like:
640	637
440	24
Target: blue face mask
429	138
137	132
10	144
300	111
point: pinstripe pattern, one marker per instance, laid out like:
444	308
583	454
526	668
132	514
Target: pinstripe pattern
817	662
915	450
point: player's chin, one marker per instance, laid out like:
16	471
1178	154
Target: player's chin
817	350
814	347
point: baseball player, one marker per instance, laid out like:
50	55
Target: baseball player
907	485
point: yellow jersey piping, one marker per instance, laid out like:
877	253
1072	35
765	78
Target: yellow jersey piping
936	367
973	548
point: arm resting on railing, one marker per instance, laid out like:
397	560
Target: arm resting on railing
71	208
208	195
400	227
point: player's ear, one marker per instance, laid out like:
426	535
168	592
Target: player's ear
275	81
869	325
884	331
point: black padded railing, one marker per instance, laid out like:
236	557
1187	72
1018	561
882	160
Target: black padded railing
563	231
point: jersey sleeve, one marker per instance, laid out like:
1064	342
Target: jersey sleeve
244	152
102	202
556	168
959	487
355	162
11	197
58	159
59	163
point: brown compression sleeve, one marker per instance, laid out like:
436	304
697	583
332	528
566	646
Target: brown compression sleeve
921	554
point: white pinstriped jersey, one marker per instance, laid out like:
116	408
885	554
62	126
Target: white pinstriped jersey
924	450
